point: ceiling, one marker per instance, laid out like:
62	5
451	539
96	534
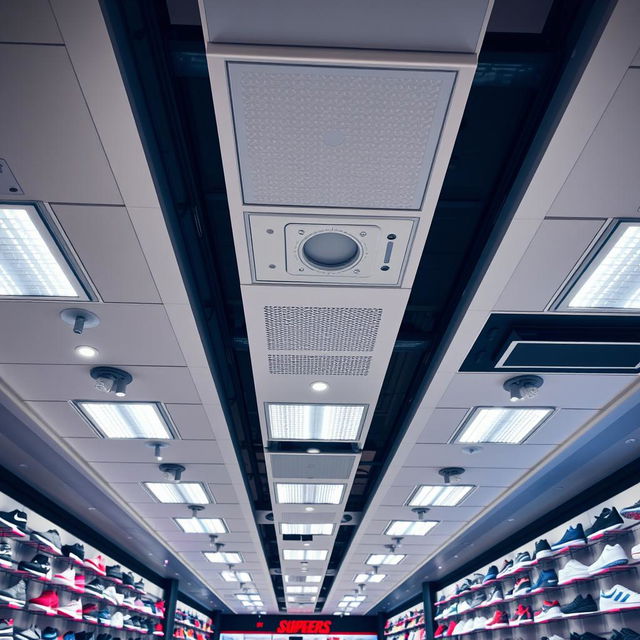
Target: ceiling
185	169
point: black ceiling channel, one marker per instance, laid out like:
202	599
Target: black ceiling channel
556	343
407	604
190	602
138	30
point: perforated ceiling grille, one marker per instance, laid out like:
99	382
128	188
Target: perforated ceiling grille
321	328
299	365
319	467
307	135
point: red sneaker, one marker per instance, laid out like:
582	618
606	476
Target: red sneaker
439	632
79	583
499	621
158	630
160	608
522	615
97	564
451	628
47	601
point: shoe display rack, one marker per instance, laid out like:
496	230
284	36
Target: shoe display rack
53	586
191	624
406	625
579	581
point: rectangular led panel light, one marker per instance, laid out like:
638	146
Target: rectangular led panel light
144	420
178	493
306	529
31	263
409	527
504	425
301	589
304	554
311	493
611	277
439	495
236	576
376	559
304	579
223	557
202	525
338	422
363	578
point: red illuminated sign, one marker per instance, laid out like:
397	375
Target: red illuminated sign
304	626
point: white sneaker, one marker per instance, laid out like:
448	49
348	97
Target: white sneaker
555	637
119	599
618	597
571	571
117	620
549	611
66	578
71	610
110	594
463	606
480	623
635	552
611	556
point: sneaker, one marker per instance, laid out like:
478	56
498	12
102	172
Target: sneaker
160	606
573	571
506	568
611	556
128	623
632	512
439	632
90	612
522	615
479	598
74	552
580	604
38	566
496	595
117	620
618	597
110	594
47	601
543	550
626	634
479	623
50	540
140	586
50	633
6	560
492	574
550	610
128	580
522	561
69	635
546	578
158	629
15	520
71	610
6	628
96	564
15	596
463	606
32	633
500	620
104	617
451	628
95	588
79	583
115	573
608	520
129	602
67	578
522	586
573	537
476	579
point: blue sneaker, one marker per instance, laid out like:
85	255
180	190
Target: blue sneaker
573	537
69	636
104	617
50	633
492	574
546	578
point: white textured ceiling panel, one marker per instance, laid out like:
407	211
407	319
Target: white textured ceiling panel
29	22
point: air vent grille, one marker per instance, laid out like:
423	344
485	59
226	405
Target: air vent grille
303	365
317	467
321	328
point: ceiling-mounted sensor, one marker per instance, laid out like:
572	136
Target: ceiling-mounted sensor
310	249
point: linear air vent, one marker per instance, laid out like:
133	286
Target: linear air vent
317	467
321	328
306	365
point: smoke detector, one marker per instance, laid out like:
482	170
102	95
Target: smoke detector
312	249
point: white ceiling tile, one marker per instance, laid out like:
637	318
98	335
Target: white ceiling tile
149	472
561	425
63	419
442	425
498	477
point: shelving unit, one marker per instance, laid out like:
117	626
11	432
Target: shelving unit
406	625
191	624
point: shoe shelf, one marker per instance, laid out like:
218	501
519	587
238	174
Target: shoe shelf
188	625
399	631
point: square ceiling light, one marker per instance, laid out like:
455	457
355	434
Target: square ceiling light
301	589
610	278
179	492
319	529
304	554
409	527
303	578
376	559
202	525
363	578
223	557
309	493
439	495
143	420
503	425
236	576
31	262
336	422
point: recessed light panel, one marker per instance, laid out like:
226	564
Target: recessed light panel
303	493
319	529
224	557
303	578
301	589
409	527
175	493
376	559
611	279
236	576
363	578
202	525
337	422
439	495
144	420
505	425
31	264
304	554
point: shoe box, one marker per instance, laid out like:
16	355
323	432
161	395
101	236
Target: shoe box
578	581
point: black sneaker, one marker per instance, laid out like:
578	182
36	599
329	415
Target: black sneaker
543	550
74	552
32	633
38	566
590	636
128	580
463	586
506	568
6	628
48	539
629	634
15	596
95	587
84	635
140	586
608	520
6	560
115	573
573	537
15	520
580	604
523	560
104	636
50	633
632	512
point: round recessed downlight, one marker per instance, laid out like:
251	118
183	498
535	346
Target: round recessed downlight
319	386
330	251
85	351
308	508
313	450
